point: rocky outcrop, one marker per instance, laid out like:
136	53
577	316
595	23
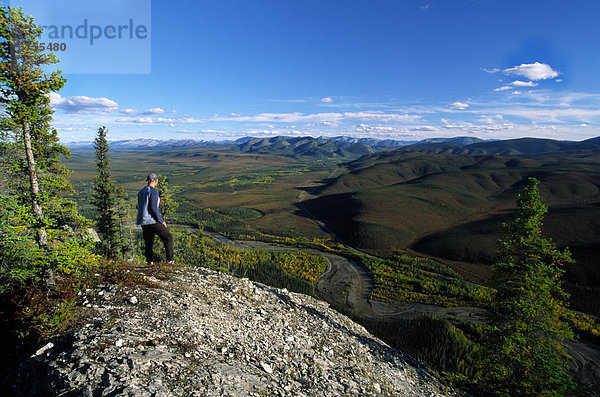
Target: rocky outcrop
202	333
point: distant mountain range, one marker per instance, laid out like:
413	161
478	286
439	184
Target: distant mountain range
317	148
150	143
524	147
344	147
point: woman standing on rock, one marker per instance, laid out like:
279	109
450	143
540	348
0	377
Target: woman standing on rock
151	221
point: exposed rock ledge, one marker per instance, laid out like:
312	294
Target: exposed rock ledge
206	334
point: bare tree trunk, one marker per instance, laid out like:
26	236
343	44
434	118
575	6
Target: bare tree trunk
37	208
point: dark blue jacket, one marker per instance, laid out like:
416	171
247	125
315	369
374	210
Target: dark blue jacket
148	213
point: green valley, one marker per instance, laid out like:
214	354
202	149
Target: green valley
452	207
446	206
430	220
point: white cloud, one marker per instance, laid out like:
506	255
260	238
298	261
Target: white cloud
488	119
283	117
328	124
381	132
459	105
517	83
158	120
147	112
575	99
532	71
554	115
381	116
531	113
425	128
326	100
494	70
320	117
153	111
82	104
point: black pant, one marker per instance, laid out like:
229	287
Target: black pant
159	230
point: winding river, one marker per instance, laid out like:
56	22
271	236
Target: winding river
349	284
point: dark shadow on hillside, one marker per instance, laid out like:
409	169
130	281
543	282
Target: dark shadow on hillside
582	278
336	212
475	242
469	242
316	190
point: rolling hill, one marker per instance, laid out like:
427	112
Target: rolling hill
452	207
511	147
445	198
351	148
317	148
344	148
340	147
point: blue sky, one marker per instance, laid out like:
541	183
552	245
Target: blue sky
401	69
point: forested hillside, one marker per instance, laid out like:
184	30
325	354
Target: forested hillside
453	207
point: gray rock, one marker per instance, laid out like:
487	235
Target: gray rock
247	339
267	368
43	349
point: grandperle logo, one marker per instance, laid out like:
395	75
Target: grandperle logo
123	46
94	37
93	33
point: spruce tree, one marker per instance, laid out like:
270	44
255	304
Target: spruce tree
24	91
168	204
30	153
526	353
108	199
